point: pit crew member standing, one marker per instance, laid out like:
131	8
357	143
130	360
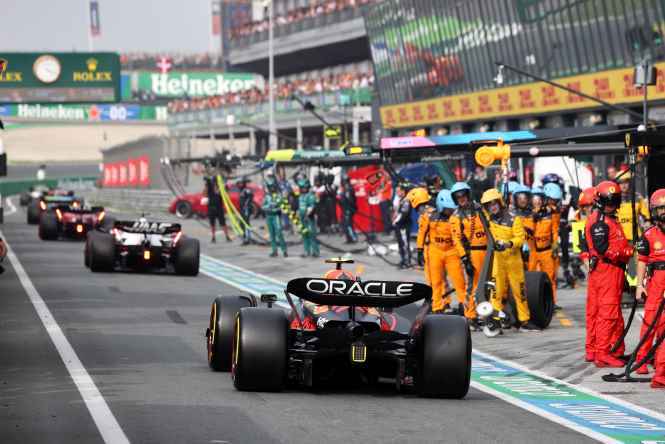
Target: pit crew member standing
347	201
508	269
609	251
469	235
544	243
246	207
402	224
215	207
272	207
306	206
419	199
651	250
625	212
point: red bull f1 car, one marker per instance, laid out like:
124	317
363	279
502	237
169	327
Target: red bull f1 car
142	245
336	329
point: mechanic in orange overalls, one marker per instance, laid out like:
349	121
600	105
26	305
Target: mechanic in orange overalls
651	260
544	243
584	207
443	260
609	252
419	199
469	237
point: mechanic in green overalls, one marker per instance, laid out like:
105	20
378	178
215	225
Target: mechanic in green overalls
306	204
272	203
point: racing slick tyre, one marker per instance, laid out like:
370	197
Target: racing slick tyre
184	209
444	364
539	297
186	260
33	212
219	336
48	226
101	254
260	351
87	250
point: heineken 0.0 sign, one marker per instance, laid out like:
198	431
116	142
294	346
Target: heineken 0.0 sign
59	77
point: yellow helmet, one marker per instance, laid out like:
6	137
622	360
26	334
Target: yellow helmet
624	176
490	195
418	196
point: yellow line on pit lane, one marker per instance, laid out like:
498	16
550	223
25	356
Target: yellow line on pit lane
563	320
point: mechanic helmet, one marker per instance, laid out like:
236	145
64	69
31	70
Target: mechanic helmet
512	186
458	189
656	201
552	190
587	197
444	200
304	184
521	190
608	193
552	178
537	191
491	195
623	176
418	196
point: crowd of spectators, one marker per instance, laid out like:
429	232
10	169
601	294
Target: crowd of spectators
149	61
297	14
283	88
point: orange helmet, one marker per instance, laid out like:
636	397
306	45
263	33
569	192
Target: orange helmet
608	193
339	274
587	197
418	196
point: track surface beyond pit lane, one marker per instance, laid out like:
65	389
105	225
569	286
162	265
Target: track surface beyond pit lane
140	337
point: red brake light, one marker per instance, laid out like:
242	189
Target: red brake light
79	228
146	255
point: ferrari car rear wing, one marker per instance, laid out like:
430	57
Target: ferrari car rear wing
388	294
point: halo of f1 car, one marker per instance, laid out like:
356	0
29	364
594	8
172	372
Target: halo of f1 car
142	245
340	328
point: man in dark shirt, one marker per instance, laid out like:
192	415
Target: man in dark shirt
246	202
347	200
215	207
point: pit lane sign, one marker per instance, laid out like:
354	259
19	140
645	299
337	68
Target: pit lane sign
59	77
613	86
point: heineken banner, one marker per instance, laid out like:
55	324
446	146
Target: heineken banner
192	84
85	113
59	77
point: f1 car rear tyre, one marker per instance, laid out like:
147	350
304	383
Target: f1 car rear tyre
539	297
102	252
48	226
184	209
33	212
219	337
260	349
87	251
186	260
444	367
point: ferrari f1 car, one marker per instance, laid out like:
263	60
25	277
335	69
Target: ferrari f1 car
340	328
49	201
70	220
142	245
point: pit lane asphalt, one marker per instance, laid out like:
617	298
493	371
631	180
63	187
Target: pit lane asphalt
140	337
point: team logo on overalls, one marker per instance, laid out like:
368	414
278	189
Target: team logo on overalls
657	245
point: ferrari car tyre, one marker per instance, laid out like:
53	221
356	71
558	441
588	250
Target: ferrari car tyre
539	297
102	252
260	349
186	261
444	367
48	226
219	337
183	209
33	212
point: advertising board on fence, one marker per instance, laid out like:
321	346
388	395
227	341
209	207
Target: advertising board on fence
85	113
133	173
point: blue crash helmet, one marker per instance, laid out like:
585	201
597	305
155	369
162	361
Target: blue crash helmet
522	189
553	191
459	186
444	200
537	191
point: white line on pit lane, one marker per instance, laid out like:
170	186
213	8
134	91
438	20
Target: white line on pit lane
12	207
99	410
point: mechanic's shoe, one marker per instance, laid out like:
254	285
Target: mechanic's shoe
556	307
213	241
304	255
473	325
273	254
590	357
286	254
642	370
228	239
316	255
603	361
658	382
529	326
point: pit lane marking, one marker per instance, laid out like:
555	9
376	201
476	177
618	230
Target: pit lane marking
106	423
12	207
599	416
563	320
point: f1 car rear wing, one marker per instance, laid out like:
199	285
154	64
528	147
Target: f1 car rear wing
145	227
388	294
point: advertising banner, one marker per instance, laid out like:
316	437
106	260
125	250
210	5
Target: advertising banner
194	84
144	171
85	113
133	172
615	86
59	77
122	174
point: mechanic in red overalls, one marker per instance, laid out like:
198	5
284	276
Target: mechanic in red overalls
609	252
651	249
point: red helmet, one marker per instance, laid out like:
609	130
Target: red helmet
608	193
587	197
657	199
339	274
